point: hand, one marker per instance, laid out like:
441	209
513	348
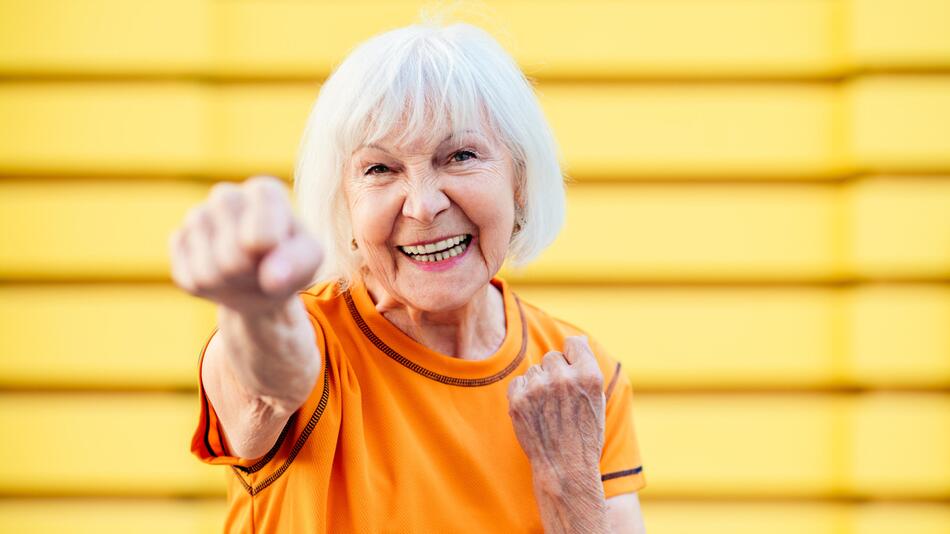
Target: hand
243	248
558	412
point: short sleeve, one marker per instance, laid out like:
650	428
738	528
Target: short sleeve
621	467
207	442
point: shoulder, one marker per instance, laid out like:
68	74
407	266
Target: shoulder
548	332
329	310
324	300
321	292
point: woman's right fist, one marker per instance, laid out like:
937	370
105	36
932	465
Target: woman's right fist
243	248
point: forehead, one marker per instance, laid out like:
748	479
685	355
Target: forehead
420	129
428	141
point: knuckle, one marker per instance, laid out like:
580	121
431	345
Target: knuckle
180	279
562	381
536	389
196	216
223	195
592	379
223	190
229	269
264	185
205	285
231	265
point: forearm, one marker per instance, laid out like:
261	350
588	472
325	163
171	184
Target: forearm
273	354
571	502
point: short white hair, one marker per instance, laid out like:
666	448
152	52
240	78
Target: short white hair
456	74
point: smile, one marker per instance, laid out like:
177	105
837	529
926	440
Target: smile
438	251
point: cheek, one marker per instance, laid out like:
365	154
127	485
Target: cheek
373	214
491	209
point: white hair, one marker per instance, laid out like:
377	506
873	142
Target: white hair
455	74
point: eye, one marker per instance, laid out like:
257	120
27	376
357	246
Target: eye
379	168
463	155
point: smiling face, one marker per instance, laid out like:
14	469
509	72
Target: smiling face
432	213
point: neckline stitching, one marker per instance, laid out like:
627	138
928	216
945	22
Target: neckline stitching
428	373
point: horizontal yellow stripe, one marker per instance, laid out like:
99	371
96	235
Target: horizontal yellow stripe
900	226
148	128
692	445
306	39
795	518
123	336
103	444
620	131
105	36
668	130
701	231
206	516
674	38
606	39
791	445
119	336
896	332
634	232
113	516
93	229
889	34
695	337
623	131
616	132
900	123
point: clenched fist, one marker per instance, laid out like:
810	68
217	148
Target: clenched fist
557	409
243	248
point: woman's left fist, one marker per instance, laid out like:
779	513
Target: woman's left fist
558	409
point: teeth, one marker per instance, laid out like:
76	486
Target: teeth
438	256
442	246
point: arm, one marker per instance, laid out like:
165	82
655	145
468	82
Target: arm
624	514
571	502
558	413
257	371
578	505
244	250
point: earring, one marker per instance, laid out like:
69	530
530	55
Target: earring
353	245
519	222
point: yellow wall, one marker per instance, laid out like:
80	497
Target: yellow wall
759	228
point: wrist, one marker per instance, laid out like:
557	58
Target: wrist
277	311
556	481
571	501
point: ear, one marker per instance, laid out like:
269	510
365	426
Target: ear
520	186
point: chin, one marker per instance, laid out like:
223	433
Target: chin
442	285
444	296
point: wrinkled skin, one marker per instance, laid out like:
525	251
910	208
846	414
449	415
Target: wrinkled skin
558	410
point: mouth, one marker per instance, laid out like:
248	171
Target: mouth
439	251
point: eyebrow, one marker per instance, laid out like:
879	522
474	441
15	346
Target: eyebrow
442	142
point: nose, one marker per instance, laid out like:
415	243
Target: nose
425	200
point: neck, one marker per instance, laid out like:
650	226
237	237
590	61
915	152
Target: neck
473	331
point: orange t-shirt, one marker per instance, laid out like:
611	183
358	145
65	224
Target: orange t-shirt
398	438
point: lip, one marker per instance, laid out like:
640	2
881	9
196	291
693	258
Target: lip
436	240
443	265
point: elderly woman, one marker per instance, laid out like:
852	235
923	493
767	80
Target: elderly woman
411	390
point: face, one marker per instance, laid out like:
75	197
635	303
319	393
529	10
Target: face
433	214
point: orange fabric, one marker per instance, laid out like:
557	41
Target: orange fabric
398	438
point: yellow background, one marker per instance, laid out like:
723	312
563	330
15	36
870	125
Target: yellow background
758	227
